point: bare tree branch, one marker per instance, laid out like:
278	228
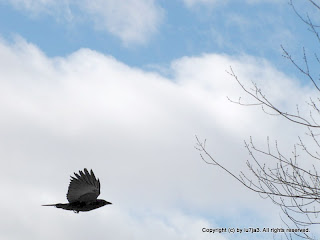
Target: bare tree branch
289	184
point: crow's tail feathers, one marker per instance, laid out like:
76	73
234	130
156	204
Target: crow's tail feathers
59	205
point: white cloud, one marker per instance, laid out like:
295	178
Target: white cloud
266	1
34	5
60	9
132	21
193	3
136	130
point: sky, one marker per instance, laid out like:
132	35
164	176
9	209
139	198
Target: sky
123	88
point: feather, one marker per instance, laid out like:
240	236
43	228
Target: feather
84	187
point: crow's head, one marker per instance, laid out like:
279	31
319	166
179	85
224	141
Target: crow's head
102	202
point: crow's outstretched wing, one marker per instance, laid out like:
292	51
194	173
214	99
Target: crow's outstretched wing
84	187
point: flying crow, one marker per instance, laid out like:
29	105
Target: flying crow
82	193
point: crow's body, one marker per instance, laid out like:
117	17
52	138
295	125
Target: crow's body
82	193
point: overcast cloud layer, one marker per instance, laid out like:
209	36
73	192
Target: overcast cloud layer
136	130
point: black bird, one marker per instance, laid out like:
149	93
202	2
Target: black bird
82	193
